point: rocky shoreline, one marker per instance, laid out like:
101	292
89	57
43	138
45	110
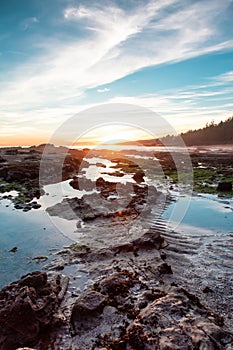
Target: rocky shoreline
125	303
115	288
20	169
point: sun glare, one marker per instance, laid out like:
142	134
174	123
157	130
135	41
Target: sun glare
113	134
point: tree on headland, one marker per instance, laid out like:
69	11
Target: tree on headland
211	134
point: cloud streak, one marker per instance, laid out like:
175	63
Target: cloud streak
103	90
117	43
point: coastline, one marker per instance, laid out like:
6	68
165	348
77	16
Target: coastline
150	304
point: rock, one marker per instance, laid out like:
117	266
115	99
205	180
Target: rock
175	322
82	183
207	289
105	187
86	310
39	259
164	269
13	250
139	176
64	283
26	306
101	165
118	283
129	200
163	256
35	206
72	208
115	173
2	160
89	303
152	295
151	239
224	186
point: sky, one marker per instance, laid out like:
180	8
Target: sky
60	57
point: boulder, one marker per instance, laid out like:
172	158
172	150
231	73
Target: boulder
26	307
86	310
139	176
118	283
224	186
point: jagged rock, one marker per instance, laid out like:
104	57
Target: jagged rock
92	206
105	187
26	306
86	310
165	269
176	321
207	289
35	206
13	250
139	176
118	283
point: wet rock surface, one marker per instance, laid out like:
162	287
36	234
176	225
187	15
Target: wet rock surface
122	295
86	311
131	200
27	306
27	170
123	301
129	310
126	301
176	321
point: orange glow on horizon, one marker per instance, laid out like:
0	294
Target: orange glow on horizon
25	140
110	135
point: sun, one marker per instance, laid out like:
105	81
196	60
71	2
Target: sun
113	134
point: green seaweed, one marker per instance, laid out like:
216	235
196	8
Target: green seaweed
77	247
205	180
63	252
12	186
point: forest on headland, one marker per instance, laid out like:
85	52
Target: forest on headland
211	134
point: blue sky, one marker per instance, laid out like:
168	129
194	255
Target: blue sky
60	57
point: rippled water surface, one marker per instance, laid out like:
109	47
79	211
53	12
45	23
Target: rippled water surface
201	250
33	233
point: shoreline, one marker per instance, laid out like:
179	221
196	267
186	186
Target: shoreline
126	288
118	291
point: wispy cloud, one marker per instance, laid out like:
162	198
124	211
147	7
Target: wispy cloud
225	78
28	23
190	105
103	90
117	42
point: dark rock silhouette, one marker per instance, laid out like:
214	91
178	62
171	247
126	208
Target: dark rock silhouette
26	307
224	186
